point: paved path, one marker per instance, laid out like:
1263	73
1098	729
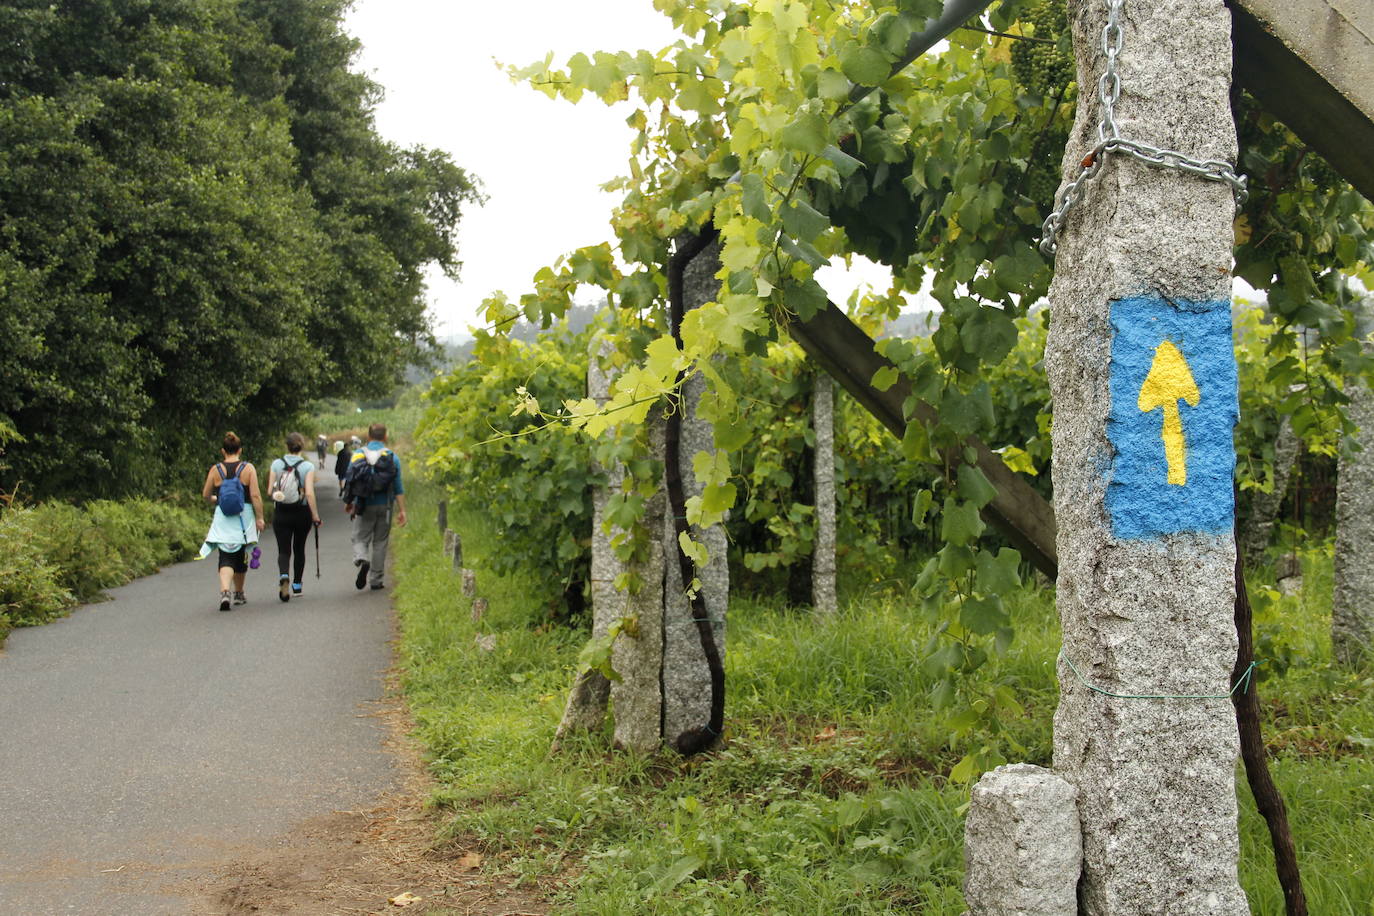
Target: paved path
147	739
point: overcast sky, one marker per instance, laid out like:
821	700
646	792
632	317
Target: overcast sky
541	160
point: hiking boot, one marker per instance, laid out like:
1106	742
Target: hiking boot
224	601
240	598
363	568
283	589
377	586
296	589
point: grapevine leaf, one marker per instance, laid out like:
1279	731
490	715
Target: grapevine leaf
864	66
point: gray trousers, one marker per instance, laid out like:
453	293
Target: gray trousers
371	534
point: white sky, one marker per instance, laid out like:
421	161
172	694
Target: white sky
541	160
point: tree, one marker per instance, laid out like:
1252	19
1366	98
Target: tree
175	260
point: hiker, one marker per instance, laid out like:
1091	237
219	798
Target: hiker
232	487
345	456
292	484
373	484
321	445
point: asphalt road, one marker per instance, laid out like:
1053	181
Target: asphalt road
145	739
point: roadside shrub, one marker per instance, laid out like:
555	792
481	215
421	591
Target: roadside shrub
30	592
56	556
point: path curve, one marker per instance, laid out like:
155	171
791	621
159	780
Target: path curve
149	739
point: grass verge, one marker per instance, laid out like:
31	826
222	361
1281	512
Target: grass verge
831	794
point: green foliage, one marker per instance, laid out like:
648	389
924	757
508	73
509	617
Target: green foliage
202	231
56	556
832	792
494	454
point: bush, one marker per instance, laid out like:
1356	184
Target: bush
56	556
30	592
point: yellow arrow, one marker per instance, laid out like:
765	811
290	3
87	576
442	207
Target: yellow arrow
1169	381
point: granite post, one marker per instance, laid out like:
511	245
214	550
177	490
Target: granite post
1352	598
1143	378
587	701
1022	845
686	678
637	655
823	597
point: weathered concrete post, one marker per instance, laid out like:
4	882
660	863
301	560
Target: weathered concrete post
823	597
686	678
1352	599
1143	377
443	515
469	582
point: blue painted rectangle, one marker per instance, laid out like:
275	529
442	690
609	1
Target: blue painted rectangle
1141	502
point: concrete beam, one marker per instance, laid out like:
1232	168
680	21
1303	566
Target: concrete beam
1310	63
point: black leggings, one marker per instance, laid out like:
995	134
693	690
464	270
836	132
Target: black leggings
291	524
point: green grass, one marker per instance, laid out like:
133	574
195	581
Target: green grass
831	794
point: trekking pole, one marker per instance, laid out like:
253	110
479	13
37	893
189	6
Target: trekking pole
317	550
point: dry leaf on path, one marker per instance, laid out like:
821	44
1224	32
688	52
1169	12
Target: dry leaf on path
826	733
470	860
405	899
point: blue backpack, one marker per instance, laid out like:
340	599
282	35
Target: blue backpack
230	491
366	479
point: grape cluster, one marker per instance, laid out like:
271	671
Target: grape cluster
1042	180
1039	67
1321	174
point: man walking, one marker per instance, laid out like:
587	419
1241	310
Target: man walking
373	484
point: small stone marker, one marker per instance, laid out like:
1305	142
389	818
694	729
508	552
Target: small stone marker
457	550
485	641
449	537
1023	849
479	609
443	515
469	583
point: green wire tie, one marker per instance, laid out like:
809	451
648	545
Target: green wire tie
1242	682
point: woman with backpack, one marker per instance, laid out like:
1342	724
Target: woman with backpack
232	486
292	484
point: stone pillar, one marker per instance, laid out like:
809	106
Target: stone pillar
1264	507
1352	598
1143	378
586	708
637	698
1023	849
823	597
686	678
453	547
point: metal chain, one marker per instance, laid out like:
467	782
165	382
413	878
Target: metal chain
1109	140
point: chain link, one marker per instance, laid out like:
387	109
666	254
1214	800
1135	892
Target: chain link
1109	140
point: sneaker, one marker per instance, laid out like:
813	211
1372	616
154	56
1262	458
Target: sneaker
240	598
377	586
283	589
363	567
296	589
224	601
